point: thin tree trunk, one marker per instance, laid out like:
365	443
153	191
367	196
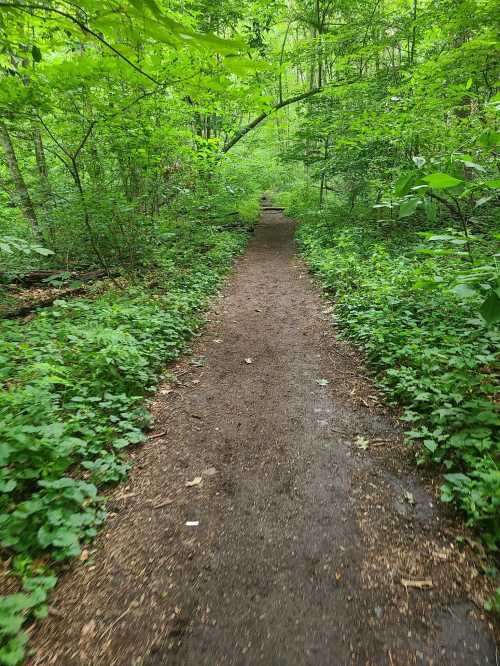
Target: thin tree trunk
322	189
414	33
41	163
18	180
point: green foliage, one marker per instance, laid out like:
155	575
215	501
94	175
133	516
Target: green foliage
430	350
9	244
493	604
115	119
14	609
73	381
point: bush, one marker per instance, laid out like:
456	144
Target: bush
73	380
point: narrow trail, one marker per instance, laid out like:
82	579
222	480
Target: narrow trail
304	537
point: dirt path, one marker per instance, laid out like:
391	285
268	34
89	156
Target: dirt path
304	531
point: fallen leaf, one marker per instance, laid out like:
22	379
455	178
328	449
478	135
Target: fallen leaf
424	584
198	362
248	360
89	628
84	555
409	497
195	482
323	382
362	442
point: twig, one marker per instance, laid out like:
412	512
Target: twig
113	624
160	434
162	504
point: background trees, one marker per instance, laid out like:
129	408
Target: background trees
136	138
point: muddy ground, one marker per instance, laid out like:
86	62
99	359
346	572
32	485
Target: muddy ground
308	539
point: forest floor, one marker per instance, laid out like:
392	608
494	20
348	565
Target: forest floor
275	517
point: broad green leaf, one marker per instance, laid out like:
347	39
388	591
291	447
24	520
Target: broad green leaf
442	181
42	250
490	309
464	291
403	184
430	283
408	207
489	139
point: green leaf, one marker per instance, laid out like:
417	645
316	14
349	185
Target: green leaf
408	207
473	165
430	445
12	653
42	250
150	4
495	183
489	139
36	54
441	181
403	184
463	290
490	309
431	210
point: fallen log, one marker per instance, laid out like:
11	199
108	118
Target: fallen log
28	308
41	276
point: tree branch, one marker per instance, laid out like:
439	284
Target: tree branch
84	28
275	107
265	114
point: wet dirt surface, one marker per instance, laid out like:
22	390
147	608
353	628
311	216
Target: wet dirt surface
308	539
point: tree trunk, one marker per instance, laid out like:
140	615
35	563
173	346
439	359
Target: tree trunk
414	33
41	164
18	180
43	175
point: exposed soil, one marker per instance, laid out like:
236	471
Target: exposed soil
311	531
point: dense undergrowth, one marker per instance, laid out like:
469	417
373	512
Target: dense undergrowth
127	149
432	351
73	381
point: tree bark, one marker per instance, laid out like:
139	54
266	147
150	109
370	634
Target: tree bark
18	180
41	164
